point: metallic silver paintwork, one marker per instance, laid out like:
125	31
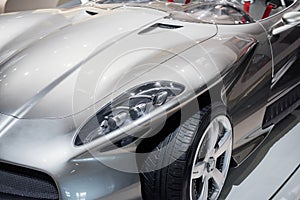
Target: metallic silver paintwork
77	72
18	5
87	56
292	17
49	97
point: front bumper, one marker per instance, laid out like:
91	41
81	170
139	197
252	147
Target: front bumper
45	146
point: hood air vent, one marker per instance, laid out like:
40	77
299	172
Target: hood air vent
159	25
91	12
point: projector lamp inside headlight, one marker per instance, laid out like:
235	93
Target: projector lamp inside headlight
128	107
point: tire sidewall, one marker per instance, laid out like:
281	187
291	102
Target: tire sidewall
213	111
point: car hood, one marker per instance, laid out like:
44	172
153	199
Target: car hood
56	63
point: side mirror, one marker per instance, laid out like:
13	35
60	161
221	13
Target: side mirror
290	20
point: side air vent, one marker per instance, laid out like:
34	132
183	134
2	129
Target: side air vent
282	107
161	26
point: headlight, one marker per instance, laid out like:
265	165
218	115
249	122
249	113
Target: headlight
127	108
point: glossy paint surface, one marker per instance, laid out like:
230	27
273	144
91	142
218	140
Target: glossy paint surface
19	5
80	62
59	67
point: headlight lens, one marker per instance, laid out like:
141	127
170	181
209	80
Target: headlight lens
127	108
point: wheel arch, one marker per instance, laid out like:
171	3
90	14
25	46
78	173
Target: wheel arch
173	121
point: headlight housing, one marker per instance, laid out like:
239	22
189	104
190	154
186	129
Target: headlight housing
126	108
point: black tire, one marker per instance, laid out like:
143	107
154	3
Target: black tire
167	170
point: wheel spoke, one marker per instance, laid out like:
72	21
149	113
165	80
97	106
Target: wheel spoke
210	167
204	192
198	170
218	178
213	134
224	143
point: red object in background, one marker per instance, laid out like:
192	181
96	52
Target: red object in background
267	11
170	1
247	6
187	1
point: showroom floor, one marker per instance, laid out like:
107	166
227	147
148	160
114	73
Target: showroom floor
273	170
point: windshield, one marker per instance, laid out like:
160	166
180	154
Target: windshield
204	11
213	12
121	1
147	1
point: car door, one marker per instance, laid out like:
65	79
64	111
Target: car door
285	50
247	98
285	42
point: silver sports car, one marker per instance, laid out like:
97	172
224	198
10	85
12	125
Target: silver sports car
141	99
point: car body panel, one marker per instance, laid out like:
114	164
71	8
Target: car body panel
19	5
285	49
71	69
247	104
79	64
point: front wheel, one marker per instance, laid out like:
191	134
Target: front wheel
192	162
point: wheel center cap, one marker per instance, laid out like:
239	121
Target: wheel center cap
211	164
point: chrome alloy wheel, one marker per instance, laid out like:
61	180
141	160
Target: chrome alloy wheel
212	159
